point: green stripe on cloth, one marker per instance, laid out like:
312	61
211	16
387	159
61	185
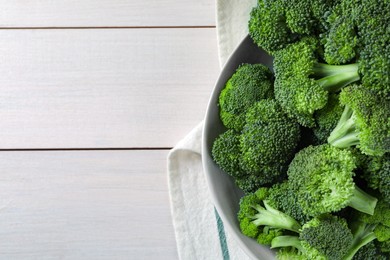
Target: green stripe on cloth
222	236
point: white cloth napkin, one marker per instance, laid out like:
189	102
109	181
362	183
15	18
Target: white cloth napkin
199	231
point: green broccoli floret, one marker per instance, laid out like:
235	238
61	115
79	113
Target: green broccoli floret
373	24
259	220
340	40
267	26
273	25
381	214
250	83
327	118
328	234
370	252
363	234
302	83
283	197
365	121
290	253
268	141
226	153
324	237
377	174
323	176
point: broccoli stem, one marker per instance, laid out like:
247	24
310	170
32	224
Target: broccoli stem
286	241
345	133
336	82
362	235
362	201
323	70
269	216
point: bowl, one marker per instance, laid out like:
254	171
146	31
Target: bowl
224	193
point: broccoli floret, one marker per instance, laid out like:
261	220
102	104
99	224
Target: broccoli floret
363	234
370	252
373	24
377	174
323	176
267	26
259	220
273	25
327	118
381	214
340	39
290	253
250	83
324	237
268	141
284	198
328	234
365	121
302	83
226	153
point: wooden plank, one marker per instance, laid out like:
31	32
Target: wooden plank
85	205
104	88
92	13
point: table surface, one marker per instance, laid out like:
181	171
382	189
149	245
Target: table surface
94	94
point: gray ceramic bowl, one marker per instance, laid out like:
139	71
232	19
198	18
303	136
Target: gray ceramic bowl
224	193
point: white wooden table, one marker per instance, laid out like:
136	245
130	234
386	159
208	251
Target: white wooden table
93	95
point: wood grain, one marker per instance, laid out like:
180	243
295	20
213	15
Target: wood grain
85	205
97	13
104	88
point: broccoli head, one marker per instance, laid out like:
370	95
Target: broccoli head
259	220
273	25
302	83
327	234
268	141
340	40
370	252
323	176
325	237
327	118
250	83
284	198
365	121
377	174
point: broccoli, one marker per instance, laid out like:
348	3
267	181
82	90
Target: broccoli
250	83
284	198
259	220
370	252
323	237
227	154
374	33
377	174
327	118
381	215
260	154
328	234
340	40
290	253
273	25
323	177
365	121
302	83
268	141
367	228
363	234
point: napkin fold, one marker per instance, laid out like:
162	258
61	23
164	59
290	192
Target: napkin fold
199	231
